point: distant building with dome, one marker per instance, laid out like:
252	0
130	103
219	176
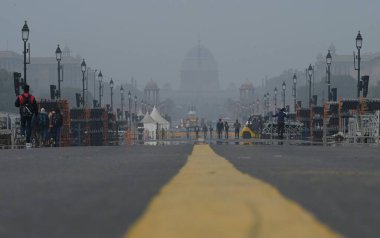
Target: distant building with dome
199	71
199	86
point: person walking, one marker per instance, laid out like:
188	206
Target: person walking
28	107
219	128
226	129
43	126
237	126
57	122
51	130
281	115
210	130
204	131
196	129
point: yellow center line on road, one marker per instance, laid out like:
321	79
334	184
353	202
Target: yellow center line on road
210	198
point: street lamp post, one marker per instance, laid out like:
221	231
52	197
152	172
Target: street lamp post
100	78
283	93
310	73
359	43
142	105
275	100
264	104
129	108
25	37
58	56
122	101
95	84
328	62
257	106
135	107
111	86
295	92
83	69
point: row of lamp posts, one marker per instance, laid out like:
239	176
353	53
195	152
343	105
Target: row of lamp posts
129	104
25	37
310	71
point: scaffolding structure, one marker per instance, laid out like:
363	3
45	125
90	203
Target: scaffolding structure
92	127
357	121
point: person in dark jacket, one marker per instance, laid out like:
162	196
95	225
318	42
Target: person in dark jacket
281	115
210	129
226	129
57	121
196	130
43	126
237	126
219	128
204	129
28	107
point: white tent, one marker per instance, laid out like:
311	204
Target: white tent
163	124
150	127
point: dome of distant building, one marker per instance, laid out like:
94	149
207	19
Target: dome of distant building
199	71
247	85
199	58
151	85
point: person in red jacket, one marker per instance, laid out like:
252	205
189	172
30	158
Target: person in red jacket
28	108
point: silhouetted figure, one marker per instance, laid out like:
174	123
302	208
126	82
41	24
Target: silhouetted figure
281	115
28	107
237	126
219	128
210	130
204	131
196	129
43	126
226	129
57	121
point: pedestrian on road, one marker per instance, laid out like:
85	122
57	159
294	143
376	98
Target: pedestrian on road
51	130
196	129
187	132
28	107
219	128
57	121
281	115
204	131
226	129
237	126
210	129
43	126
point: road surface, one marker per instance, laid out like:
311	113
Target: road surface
190	191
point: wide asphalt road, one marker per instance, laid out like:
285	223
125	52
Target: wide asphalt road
190	190
81	191
339	185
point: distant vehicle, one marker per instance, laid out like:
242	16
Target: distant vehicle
252	128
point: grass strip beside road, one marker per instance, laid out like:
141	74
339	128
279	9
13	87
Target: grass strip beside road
210	198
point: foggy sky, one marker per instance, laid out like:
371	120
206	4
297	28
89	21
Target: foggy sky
149	38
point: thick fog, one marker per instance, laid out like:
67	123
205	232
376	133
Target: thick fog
149	38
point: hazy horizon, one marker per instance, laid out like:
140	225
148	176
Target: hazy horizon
148	39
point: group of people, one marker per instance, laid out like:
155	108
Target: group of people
223	126
43	127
